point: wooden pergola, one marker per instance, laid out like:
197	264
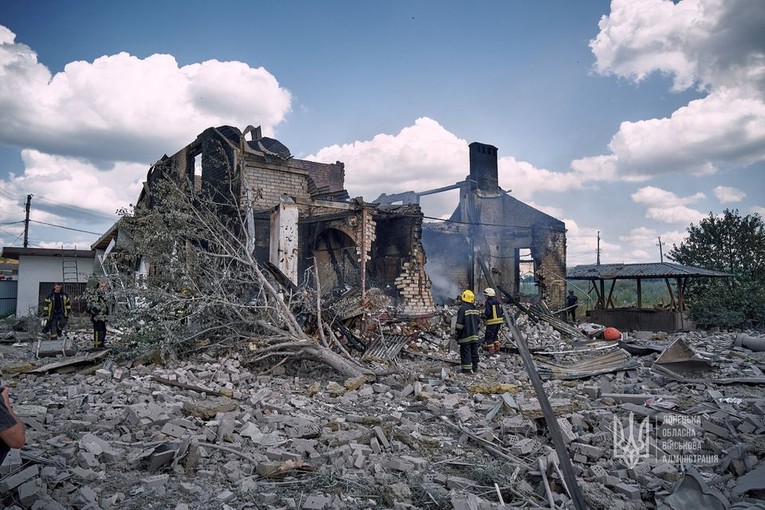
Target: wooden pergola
638	317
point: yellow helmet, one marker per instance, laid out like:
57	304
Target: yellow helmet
468	296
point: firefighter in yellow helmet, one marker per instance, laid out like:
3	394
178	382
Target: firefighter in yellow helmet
467	332
495	317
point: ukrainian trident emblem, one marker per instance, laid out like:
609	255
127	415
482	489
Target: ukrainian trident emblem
634	445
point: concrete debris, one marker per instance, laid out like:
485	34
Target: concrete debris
679	361
694	492
752	342
220	433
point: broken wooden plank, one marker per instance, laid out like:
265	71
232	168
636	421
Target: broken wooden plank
170	382
71	362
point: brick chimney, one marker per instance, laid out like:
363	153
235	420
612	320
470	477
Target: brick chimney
483	166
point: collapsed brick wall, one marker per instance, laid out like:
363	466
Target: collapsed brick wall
366	235
549	253
399	258
414	285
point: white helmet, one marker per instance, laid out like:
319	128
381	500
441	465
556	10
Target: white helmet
489	292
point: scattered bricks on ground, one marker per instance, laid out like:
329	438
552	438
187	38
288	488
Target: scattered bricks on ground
116	437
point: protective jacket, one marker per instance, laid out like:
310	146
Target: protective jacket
57	303
98	308
467	323
493	312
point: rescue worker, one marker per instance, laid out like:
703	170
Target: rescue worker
466	330
571	302
98	308
56	310
495	317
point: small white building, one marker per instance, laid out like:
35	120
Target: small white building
40	268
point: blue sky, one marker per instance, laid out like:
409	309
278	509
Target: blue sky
628	120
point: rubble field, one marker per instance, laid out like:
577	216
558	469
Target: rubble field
654	421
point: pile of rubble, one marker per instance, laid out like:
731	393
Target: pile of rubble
652	421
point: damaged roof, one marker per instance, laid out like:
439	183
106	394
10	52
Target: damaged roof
637	271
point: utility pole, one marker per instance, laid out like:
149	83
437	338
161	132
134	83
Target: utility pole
26	221
598	252
661	254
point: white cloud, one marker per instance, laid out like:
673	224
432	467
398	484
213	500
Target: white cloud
727	194
77	182
70	193
523	179
714	44
121	107
402	162
644	244
666	207
581	243
675	215
711	43
89	133
653	196
407	162
723	130
596	168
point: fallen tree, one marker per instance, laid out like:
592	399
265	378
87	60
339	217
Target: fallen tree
189	279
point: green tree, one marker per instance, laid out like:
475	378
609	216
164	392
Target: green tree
733	244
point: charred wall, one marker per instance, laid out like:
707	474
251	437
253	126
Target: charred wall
447	265
329	176
398	259
350	242
492	227
549	253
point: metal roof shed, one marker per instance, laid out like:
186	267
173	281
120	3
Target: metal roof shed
638	318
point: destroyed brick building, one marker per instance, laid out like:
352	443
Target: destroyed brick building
302	216
490	229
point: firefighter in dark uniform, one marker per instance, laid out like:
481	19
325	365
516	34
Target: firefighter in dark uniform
495	317
56	310
98	308
466	329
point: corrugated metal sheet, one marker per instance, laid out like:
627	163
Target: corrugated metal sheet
8	295
635	271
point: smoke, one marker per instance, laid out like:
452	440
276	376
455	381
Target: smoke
443	288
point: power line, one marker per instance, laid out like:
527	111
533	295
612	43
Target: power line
480	224
75	208
6	193
16	237
67	228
